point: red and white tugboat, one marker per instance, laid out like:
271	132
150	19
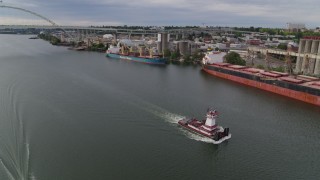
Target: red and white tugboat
208	127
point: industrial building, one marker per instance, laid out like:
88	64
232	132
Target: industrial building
185	48
305	64
295	27
162	43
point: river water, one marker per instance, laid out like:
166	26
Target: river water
67	115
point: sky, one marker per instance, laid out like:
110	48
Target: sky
240	13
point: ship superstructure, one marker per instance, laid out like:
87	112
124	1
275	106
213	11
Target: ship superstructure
207	127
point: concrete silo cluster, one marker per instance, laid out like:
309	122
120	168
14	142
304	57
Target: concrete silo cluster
183	47
163	40
307	65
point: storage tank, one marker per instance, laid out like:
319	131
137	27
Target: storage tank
317	65
164	41
159	47
184	48
302	45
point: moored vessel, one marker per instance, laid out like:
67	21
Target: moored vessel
299	87
123	53
207	128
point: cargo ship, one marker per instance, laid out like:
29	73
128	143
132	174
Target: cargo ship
207	128
299	87
121	53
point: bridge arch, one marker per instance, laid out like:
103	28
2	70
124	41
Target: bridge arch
2	5
28	11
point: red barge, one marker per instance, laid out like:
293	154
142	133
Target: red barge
207	128
300	87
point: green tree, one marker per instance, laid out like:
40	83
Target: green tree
299	35
187	58
234	58
279	69
100	45
54	40
175	55
197	55
260	66
166	53
282	46
238	34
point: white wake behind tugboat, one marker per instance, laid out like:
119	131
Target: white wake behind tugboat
207	128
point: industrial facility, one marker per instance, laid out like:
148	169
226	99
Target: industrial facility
307	64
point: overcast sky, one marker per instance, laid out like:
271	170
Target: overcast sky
267	13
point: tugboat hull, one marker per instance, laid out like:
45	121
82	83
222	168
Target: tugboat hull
218	135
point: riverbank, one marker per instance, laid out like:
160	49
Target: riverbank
80	46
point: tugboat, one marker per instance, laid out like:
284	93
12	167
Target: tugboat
207	128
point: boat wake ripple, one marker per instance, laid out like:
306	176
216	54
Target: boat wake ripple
173	119
14	148
158	111
166	115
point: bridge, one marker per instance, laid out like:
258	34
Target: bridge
54	26
115	30
2	5
68	30
107	30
